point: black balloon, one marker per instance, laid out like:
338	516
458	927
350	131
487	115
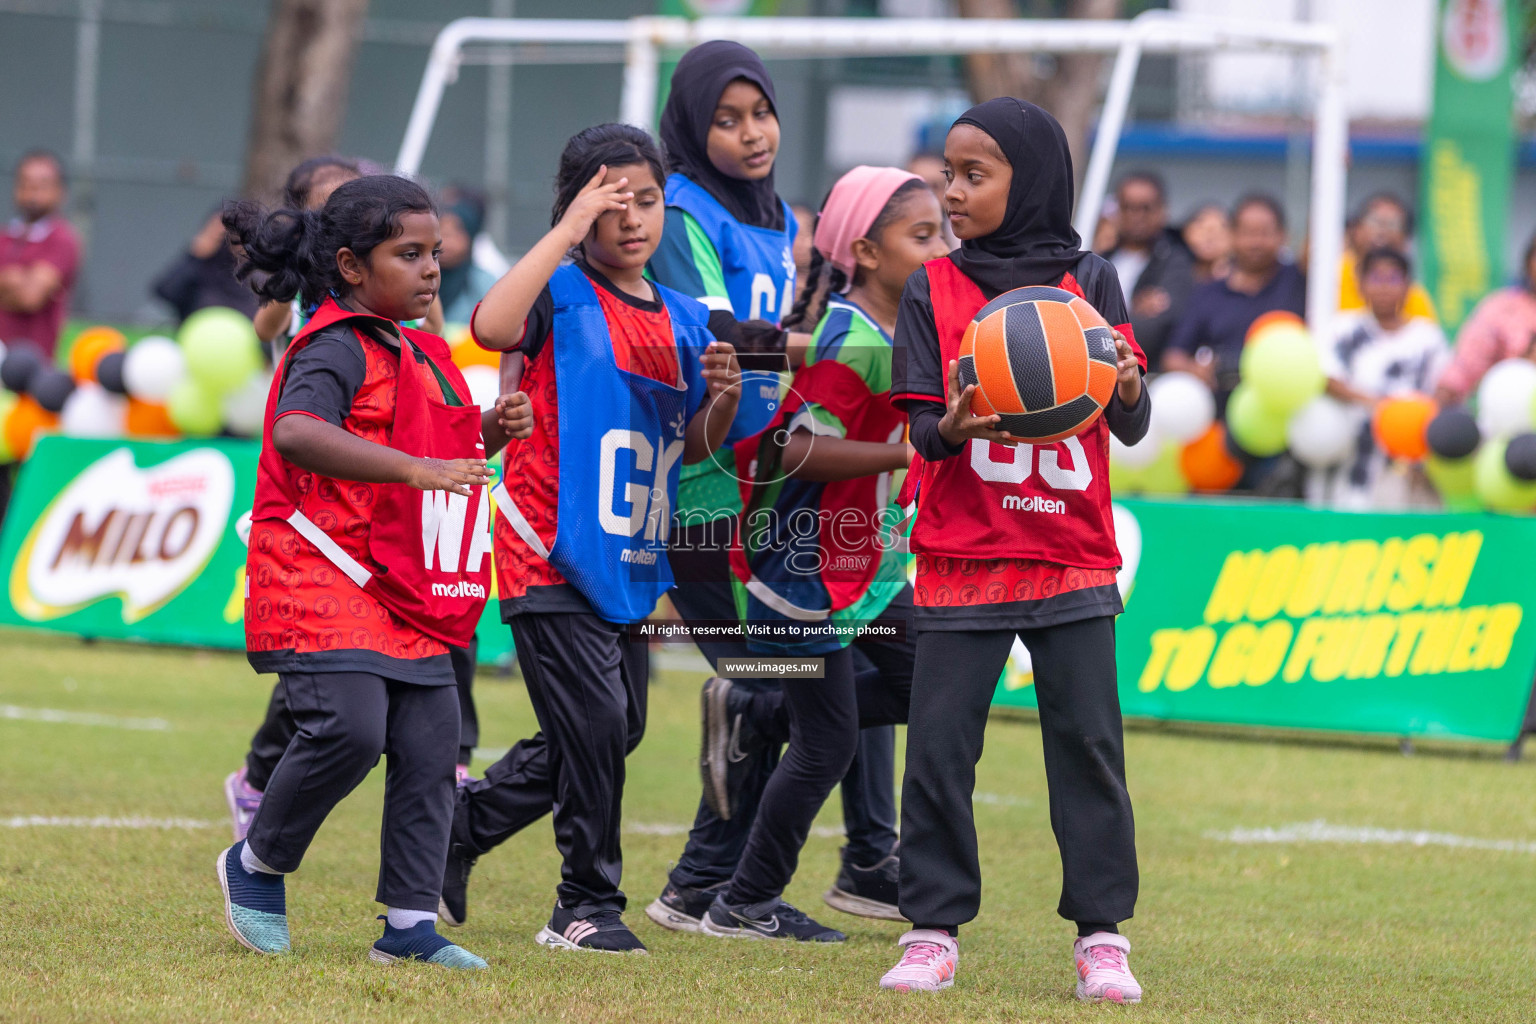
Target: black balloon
109	372
22	360
1453	434
1520	457
51	388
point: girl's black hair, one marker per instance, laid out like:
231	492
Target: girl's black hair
1385	254
301	180
287	252
603	145
816	290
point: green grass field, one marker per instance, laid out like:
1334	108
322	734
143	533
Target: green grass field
115	923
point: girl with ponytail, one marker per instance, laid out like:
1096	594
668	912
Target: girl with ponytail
815	549
368	552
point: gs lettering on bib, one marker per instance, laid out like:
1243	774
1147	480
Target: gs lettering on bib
621	440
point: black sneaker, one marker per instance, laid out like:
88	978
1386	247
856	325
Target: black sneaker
771	919
601	931
728	740
453	905
679	907
867	891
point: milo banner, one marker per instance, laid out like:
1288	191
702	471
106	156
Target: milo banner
1469	154
1290	617
138	540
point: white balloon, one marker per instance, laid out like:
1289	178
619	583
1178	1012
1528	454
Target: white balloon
1322	433
243	528
1138	456
152	368
246	406
1505	396
1183	408
484	385
93	411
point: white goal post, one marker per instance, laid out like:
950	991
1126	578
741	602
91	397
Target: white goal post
643	39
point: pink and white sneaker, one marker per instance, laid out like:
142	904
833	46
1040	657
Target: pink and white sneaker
928	962
1103	975
243	799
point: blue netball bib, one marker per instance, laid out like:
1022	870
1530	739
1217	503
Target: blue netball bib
758	265
621	446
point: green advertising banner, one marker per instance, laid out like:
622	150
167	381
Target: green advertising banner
1290	617
1469	153
1241	613
138	540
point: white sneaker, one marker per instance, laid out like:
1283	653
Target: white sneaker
1103	975
928	962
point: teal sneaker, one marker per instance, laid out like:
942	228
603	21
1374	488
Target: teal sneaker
421	942
255	904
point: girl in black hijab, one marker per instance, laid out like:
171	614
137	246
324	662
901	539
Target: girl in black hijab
701	77
1012	542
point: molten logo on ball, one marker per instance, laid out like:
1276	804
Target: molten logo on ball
1042	359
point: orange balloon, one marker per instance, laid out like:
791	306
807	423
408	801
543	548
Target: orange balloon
149	419
466	353
1208	463
1401	425
90	345
24	422
1270	319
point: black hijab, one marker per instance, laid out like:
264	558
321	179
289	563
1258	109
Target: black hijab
1036	243
701	76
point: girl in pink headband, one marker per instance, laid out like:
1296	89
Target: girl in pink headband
815	553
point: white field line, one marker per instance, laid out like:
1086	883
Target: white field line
41	821
58	717
1322	832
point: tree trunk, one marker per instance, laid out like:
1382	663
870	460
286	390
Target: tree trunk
301	87
1070	91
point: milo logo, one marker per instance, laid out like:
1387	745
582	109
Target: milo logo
117	530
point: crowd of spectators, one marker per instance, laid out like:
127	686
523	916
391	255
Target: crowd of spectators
1193	288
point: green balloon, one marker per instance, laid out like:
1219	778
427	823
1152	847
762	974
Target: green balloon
1500	489
1165	476
1125	479
1455	480
1253	424
1282	366
194	410
7	403
221	349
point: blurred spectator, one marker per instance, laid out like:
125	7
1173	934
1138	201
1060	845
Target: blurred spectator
204	275
1208	340
1380	351
464	283
930	167
1502	326
1383	221
39	255
1208	235
1106	233
1156	270
1384	349
805	223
